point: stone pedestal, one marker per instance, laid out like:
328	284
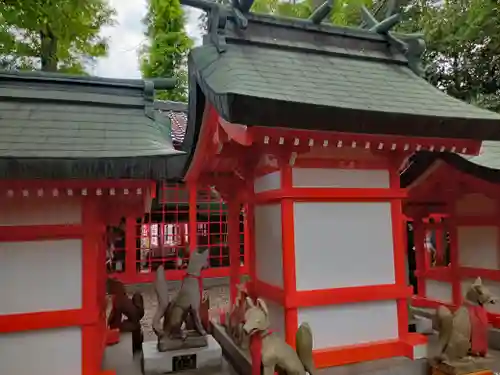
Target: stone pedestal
158	363
329	250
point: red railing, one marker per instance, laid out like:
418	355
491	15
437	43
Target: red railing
162	237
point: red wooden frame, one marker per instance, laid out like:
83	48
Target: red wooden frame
91	316
292	299
434	186
182	195
223	149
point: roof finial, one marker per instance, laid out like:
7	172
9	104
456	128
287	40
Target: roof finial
321	12
411	45
219	14
243	5
382	27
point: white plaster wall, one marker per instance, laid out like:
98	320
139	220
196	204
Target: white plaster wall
475	204
492	286
478	246
40	276
340	178
268	244
343	244
270	181
439	291
276	317
351	324
40	211
44	352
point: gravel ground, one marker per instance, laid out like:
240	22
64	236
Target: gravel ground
218	294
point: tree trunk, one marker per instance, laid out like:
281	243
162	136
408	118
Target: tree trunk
48	51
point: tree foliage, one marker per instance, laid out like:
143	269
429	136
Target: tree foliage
463	47
52	35
168	44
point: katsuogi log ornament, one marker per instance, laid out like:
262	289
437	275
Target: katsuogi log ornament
171	316
271	350
463	335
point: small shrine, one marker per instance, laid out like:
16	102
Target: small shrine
76	154
307	125
462	192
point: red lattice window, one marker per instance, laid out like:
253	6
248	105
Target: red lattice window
162	237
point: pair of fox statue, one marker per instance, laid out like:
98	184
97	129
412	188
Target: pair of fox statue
178	324
184	311
463	335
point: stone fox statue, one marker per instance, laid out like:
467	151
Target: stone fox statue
131	308
236	317
276	354
186	303
464	333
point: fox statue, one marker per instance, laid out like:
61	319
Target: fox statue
171	315
463	334
276	354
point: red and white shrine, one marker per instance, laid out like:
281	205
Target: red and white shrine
52	268
464	199
78	154
327	242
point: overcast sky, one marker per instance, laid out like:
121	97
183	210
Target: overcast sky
127	36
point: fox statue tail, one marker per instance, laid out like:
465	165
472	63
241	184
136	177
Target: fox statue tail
304	347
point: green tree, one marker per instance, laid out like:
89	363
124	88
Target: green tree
463	47
165	54
52	35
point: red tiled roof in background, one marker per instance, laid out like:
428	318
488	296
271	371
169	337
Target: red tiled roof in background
179	122
177	113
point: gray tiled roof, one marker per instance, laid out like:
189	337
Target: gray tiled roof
47	119
285	73
489	155
324	80
74	126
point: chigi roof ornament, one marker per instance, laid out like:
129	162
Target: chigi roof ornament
411	45
219	14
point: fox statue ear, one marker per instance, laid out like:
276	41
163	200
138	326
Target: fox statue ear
263	306
250	302
478	282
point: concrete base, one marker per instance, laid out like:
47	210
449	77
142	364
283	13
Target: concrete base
241	362
156	363
423	325
119	357
237	358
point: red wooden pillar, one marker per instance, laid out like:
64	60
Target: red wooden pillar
92	346
399	245
193	217
234	245
250	237
288	254
246	241
454	262
130	248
